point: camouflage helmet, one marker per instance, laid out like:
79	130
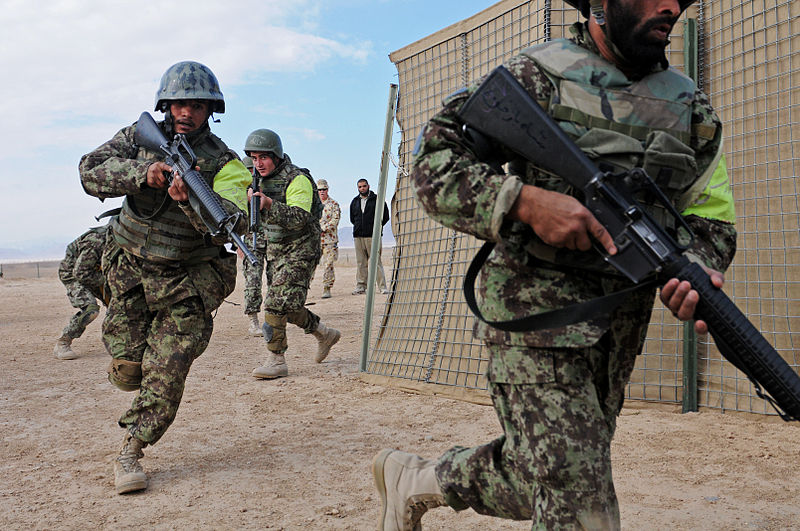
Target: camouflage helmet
248	163
189	80
264	141
322	184
595	7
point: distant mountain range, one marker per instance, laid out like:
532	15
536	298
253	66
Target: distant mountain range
46	251
346	236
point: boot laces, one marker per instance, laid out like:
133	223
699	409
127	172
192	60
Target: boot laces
130	455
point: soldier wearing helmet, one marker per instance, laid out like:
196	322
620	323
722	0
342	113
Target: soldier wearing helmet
165	273
557	392
290	214
254	273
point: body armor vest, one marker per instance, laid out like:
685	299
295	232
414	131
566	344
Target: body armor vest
619	124
151	225
274	186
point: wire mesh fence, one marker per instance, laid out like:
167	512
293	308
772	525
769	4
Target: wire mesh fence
748	66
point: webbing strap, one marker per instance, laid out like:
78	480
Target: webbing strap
575	313
639	132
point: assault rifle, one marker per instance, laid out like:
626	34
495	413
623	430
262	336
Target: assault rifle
181	157
646	253
255	205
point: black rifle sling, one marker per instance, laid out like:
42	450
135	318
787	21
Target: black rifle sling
109	213
568	315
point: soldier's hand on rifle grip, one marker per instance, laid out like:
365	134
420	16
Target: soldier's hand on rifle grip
157	175
178	189
265	202
679	297
560	220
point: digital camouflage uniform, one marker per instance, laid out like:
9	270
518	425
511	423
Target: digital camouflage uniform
557	392
329	225
80	273
166	278
254	274
293	252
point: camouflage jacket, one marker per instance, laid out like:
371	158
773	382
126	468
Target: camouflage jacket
466	194
329	222
304	244
81	262
119	168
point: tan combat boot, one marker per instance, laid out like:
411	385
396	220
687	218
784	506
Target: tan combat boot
274	368
327	337
128	473
326	293
63	349
255	328
408	487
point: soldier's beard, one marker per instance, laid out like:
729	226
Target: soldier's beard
632	36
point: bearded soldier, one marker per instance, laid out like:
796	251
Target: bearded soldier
557	392
80	273
290	213
165	272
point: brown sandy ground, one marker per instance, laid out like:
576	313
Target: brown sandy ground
295	453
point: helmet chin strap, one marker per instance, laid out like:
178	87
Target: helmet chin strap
596	10
169	120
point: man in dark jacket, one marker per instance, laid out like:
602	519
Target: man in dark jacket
362	216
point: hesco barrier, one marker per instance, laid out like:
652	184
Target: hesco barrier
746	56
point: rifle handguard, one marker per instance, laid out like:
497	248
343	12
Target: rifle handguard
741	343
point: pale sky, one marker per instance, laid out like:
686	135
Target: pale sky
76	71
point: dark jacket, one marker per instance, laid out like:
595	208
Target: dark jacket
362	222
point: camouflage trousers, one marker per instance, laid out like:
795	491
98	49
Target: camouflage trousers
286	298
159	315
330	253
81	298
165	342
253	281
552	465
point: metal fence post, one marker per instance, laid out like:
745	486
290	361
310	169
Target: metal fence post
377	226
689	335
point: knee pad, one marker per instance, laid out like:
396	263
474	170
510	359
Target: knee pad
124	374
274	329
